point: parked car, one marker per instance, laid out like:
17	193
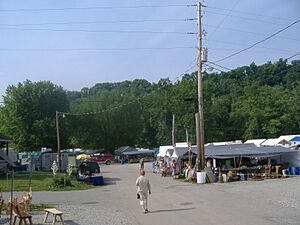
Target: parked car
86	169
103	158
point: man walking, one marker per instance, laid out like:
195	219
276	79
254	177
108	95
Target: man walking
142	164
144	188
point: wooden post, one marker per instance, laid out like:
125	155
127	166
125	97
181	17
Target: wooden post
201	155
58	140
173	132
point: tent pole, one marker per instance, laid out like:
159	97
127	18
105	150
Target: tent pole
11	195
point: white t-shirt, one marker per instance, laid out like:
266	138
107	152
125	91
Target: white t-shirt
143	185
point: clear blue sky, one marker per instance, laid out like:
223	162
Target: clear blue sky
78	59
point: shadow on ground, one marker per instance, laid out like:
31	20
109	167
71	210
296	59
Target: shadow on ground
170	210
89	203
71	222
4	220
109	181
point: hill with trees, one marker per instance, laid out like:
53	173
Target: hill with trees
247	102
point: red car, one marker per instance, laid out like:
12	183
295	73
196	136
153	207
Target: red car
103	158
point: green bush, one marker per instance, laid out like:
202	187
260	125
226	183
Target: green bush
62	181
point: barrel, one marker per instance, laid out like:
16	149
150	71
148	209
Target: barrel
201	177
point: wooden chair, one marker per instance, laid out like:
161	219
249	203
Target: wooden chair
1	205
267	171
23	216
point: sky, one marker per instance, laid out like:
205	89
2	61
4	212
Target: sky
78	43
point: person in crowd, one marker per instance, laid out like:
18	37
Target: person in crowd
142	164
83	177
143	189
174	168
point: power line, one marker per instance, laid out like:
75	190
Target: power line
92	8
256	51
247	18
98	31
214	68
94	49
185	72
223	20
276	74
259	42
127	103
249	32
241	44
99	22
223	67
248	13
293	56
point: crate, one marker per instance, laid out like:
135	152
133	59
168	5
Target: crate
97	180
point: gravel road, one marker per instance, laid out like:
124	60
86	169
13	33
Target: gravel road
274	201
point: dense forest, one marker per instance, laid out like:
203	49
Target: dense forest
245	103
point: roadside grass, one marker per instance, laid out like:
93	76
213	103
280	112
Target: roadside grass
33	207
41	181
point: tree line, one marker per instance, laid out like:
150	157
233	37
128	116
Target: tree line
245	103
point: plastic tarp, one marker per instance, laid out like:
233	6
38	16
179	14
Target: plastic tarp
257	142
142	152
235	150
245	150
270	142
293	159
163	150
296	139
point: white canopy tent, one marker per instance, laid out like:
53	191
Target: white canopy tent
163	150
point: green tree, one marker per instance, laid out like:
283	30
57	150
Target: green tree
28	114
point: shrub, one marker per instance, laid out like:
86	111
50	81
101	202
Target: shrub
62	181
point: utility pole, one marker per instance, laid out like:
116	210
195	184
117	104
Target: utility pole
186	135
58	140
173	132
201	155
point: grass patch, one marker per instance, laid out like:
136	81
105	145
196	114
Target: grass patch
41	181
34	207
40	207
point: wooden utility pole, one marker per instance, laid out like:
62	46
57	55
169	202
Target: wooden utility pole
201	155
186	135
58	140
173	132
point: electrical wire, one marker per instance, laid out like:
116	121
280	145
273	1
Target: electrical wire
92	8
223	67
259	42
214	68
269	52
293	56
276	74
223	20
249	32
98	31
247	18
94	49
127	103
251	14
209	64
98	22
241	44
